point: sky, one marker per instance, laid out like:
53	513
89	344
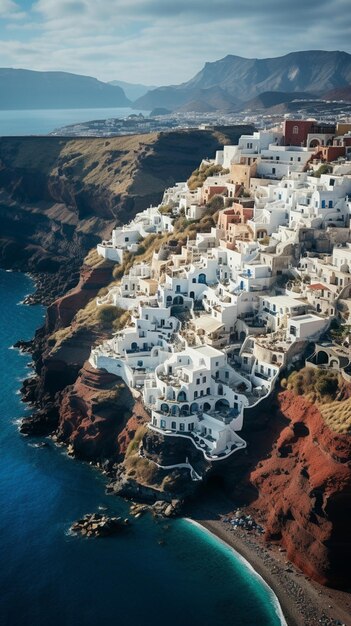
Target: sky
162	42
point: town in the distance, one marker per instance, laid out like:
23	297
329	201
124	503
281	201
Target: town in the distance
265	272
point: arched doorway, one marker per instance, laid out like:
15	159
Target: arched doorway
182	396
222	405
206	407
184	410
175	410
178	300
194	407
314	143
322	357
202	279
164	408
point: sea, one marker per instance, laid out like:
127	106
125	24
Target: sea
157	572
43	121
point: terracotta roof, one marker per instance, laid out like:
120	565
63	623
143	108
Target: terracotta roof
318	286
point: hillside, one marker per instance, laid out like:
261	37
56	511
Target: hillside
269	99
242	79
27	89
60	196
342	93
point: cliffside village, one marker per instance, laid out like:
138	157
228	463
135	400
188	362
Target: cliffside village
213	323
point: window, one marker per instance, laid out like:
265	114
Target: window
178	289
330	204
182	427
273	170
126	239
174	426
299	159
293	330
204	379
195	394
208	391
140	364
295	130
163	423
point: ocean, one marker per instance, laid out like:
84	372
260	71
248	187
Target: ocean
44	121
48	577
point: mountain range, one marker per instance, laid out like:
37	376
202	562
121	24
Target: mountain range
133	91
236	80
27	89
231	84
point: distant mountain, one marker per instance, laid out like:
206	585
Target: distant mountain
132	90
27	89
314	71
269	99
207	100
342	93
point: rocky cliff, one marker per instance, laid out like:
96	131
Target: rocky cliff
304	492
59	197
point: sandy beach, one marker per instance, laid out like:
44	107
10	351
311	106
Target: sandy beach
303	602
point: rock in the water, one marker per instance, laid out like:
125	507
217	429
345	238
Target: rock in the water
97	525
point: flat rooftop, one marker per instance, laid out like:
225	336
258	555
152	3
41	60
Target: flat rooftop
309	317
282	300
208	351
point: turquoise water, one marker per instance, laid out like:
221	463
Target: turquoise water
50	578
43	121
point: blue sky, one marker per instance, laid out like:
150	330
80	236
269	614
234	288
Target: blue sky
162	41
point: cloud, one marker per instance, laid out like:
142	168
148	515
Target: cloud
10	10
164	42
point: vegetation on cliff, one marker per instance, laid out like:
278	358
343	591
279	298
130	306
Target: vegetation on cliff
199	175
326	389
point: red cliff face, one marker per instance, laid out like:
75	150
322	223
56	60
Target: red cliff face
63	310
98	415
305	493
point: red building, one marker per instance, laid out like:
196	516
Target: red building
296	131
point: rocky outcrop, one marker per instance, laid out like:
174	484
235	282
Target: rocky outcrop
92	414
61	312
304	492
98	525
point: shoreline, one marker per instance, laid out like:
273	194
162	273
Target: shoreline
247	564
303	602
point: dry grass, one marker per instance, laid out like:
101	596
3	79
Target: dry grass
134	444
199	175
109	395
143	471
322	387
337	415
